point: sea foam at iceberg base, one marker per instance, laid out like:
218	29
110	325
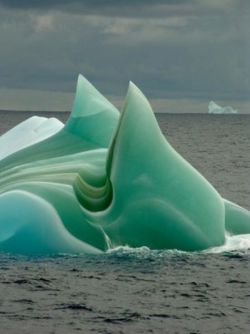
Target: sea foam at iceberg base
105	180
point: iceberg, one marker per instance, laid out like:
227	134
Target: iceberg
214	108
104	180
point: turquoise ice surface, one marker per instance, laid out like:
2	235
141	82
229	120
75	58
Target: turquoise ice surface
104	180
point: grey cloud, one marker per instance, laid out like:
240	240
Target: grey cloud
186	52
107	7
90	3
130	8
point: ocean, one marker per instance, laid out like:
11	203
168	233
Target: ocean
140	290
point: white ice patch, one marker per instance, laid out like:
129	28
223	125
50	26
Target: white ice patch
233	243
27	133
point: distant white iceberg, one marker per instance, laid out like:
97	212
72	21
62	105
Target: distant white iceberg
214	108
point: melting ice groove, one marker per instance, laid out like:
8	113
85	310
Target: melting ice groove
107	181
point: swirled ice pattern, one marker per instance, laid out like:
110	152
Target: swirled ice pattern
105	180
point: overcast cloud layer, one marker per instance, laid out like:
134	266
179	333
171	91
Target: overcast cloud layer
170	49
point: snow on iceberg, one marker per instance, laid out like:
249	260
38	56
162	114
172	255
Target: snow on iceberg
214	108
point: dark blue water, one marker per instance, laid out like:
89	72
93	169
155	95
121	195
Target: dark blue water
126	292
143	291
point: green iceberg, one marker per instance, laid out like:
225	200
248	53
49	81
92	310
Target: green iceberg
104	180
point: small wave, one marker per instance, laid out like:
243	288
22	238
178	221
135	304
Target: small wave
234	243
143	252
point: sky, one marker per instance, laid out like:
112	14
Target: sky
181	53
